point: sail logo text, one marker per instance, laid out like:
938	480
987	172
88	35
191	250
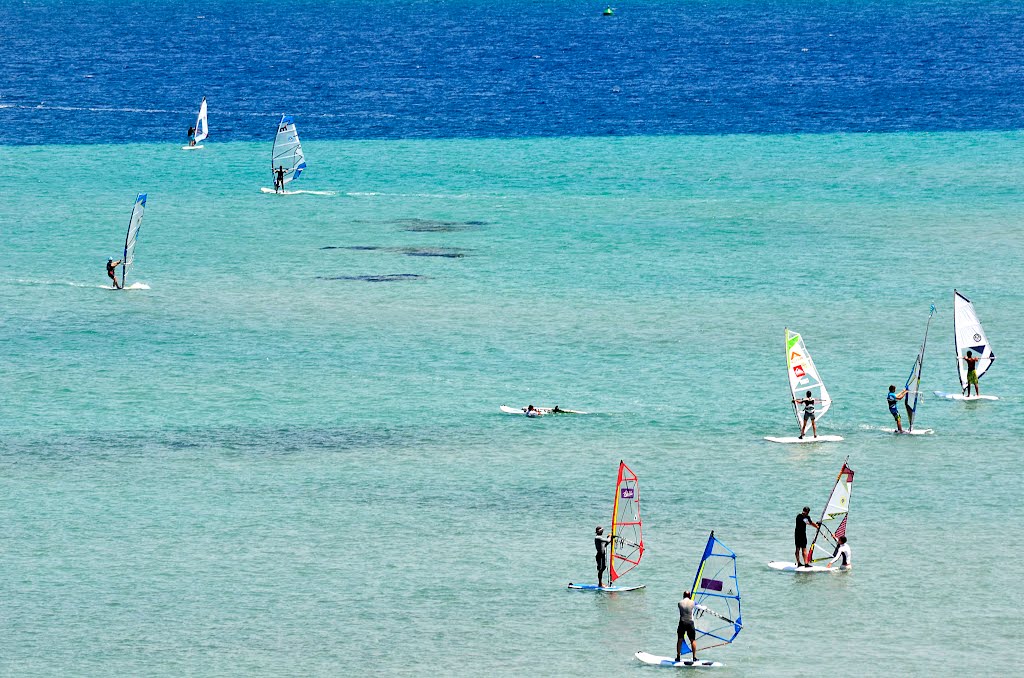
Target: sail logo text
626	493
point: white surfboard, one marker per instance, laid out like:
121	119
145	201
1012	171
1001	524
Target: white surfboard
670	662
963	398
605	589
133	286
264	189
915	432
789	566
540	410
806	439
192	148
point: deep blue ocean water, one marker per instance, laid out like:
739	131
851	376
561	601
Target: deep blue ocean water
116	71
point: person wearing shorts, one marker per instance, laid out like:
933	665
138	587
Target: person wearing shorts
972	373
686	629
808	404
800	536
894	409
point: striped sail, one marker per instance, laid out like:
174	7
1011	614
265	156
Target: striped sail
832	525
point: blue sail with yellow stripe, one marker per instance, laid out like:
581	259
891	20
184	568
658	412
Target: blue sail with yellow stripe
716	597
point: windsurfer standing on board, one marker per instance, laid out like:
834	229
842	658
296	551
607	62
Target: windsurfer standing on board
972	374
800	536
894	409
600	543
686	629
279	179
191	136
808	404
112	271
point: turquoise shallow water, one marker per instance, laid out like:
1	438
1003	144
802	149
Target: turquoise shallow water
251	468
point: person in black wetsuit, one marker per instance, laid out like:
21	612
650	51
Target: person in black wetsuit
279	179
601	543
686	630
112	271
191	136
800	536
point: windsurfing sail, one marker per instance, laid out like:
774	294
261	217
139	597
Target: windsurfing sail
913	385
202	129
287	151
969	336
804	377
716	597
627	545
832	524
132	238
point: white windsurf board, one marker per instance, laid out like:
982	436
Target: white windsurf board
915	432
789	566
806	439
605	589
192	148
962	397
670	662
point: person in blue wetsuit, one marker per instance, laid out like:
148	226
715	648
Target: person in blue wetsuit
894	409
601	544
800	536
808	403
842	551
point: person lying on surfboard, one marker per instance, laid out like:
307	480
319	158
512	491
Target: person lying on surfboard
279	179
842	551
686	629
532	411
600	543
972	374
112	271
894	409
808	404
800	536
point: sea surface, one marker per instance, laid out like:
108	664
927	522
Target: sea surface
285	457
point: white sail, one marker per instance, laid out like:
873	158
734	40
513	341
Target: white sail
804	377
969	336
202	128
287	153
832	524
132	238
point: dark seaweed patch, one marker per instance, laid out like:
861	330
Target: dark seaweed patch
435	226
445	252
391	277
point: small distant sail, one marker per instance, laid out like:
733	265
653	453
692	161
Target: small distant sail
627	545
287	152
202	128
832	525
913	385
716	598
969	336
803	377
132	238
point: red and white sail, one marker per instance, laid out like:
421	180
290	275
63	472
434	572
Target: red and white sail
627	545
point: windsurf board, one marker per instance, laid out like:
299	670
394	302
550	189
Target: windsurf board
669	662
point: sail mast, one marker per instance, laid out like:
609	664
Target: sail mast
911	406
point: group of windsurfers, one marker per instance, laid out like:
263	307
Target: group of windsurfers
892	398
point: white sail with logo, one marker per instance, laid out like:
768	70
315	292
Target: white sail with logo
287	153
969	336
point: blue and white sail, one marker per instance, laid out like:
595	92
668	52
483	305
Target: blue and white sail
202	129
969	336
132	237
716	597
287	152
913	384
